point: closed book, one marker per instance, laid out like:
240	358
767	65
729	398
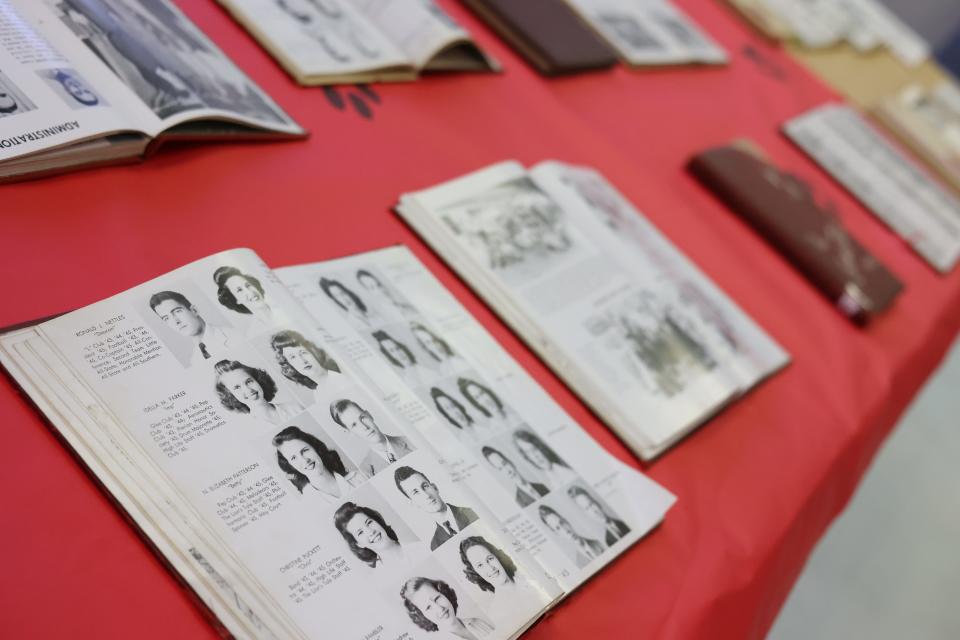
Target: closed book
783	209
547	33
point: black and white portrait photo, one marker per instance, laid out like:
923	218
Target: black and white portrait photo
12	100
446	519
375	534
314	465
305	363
401	357
382	449
496	575
190	326
434	606
489	409
163	57
251	391
387	298
244	295
515	229
357	310
525	491
599	512
583	549
441	355
538	454
455	413
73	89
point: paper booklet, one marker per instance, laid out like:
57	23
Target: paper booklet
347	455
91	82
631	325
649	32
865	25
927	119
340	41
885	179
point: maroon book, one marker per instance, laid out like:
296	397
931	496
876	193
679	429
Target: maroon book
782	208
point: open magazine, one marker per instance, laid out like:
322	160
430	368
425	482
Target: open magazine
90	82
649	32
632	326
349	455
340	41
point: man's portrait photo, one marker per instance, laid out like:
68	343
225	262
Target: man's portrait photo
448	519
383	449
190	326
72	88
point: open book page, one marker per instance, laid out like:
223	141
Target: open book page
863	24
563	281
53	91
330	513
679	292
649	32
174	69
318	40
574	505
921	211
82	422
419	27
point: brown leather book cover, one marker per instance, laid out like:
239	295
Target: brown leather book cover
547	33
782	208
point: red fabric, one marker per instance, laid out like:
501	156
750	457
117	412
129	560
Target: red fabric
757	486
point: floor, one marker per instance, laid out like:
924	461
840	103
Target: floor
889	568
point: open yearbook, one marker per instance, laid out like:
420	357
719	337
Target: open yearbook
649	32
92	82
340	41
336	450
631	325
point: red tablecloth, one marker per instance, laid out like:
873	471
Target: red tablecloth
757	486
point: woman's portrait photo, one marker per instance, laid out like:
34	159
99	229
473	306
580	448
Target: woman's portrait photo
401	358
72	88
12	100
584	549
525	491
495	573
386	297
303	362
313	467
243	294
488	407
251	391
358	312
433	606
441	355
370	537
537	453
456	415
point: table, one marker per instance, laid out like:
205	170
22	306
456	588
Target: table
757	486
